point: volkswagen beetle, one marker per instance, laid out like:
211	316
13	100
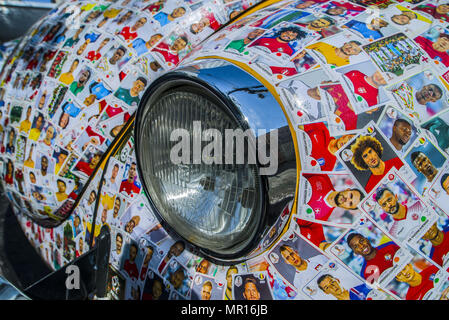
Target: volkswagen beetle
237	150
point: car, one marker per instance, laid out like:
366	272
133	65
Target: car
236	150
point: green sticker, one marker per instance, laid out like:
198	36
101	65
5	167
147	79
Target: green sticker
309	211
423	219
246	53
359	98
436	280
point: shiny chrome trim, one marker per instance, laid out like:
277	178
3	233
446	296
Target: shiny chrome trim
255	108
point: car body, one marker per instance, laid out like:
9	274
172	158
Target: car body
347	99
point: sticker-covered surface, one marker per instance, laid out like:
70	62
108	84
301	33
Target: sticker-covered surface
363	83
75	80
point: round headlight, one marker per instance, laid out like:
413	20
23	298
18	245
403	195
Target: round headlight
206	188
216	206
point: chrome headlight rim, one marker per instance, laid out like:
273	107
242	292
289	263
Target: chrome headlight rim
170	82
255	109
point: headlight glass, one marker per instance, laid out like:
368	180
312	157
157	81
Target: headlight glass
217	207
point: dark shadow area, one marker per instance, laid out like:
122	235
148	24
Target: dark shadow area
16	18
19	261
90	270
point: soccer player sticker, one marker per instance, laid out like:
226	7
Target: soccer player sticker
119	241
251	286
317	147
304	4
378	4
280	289
202	266
324	25
369	157
342	49
11	137
204	22
277	228
319	233
431	10
370	253
440	293
151	258
283	15
399	210
341	115
131	89
87	163
170	248
236	41
369	26
337	283
170	14
278	70
131	261
296	260
113	175
437	129
136	28
283	41
170	51
426	160
329	197
130	185
343	120
422	94
178	278
365	89
112	64
68	70
434	244
435	42
206	288
399	128
63	188
154	288
341	10
417	280
133	220
116	285
439	189
302	97
406	20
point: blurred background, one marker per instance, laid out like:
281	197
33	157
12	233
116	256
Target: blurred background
16	269
17	16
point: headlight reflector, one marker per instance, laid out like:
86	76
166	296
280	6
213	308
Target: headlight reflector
217	207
